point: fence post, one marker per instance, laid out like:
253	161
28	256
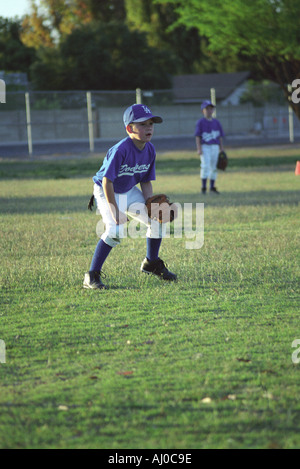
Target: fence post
213	100
90	120
138	93
2	92
291	118
2	351
28	123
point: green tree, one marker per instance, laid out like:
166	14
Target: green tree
46	23
14	56
154	20
264	31
50	20
102	56
105	11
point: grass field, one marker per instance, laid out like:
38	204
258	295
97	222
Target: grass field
205	362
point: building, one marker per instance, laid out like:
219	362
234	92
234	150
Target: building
229	87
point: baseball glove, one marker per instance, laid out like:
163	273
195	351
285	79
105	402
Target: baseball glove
222	161
160	208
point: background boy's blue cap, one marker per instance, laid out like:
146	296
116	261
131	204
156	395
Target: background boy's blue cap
139	113
205	104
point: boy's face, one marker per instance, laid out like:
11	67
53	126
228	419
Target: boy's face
208	112
141	132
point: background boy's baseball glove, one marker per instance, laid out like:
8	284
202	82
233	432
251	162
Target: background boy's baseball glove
160	208
222	161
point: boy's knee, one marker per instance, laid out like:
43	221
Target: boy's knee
113	235
112	242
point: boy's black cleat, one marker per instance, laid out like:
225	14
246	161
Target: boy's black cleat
92	280
203	190
158	268
214	191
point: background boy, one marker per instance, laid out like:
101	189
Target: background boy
128	163
209	143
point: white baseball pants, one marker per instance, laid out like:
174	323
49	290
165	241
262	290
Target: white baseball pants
133	204
209	160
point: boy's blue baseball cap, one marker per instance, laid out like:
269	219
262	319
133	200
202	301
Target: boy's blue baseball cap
139	113
206	103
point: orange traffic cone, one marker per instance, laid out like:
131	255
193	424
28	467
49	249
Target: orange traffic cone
297	170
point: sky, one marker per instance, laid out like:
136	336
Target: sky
11	8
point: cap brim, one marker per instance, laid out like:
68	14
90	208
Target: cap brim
207	105
156	119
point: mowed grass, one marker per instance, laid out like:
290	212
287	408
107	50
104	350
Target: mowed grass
205	362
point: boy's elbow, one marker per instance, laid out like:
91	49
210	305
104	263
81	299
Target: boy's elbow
106	181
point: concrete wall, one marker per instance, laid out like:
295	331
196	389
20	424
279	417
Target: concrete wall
55	125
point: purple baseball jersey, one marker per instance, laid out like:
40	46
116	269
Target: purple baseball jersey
126	166
209	131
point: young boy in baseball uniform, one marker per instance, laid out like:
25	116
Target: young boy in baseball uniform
127	164
209	143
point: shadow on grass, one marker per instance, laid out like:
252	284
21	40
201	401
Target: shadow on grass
189	165
87	167
238	199
31	205
55	169
38	205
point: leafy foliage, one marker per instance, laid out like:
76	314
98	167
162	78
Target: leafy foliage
172	36
155	21
259	27
267	31
102	56
50	20
14	56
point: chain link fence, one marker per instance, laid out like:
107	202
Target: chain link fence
35	117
